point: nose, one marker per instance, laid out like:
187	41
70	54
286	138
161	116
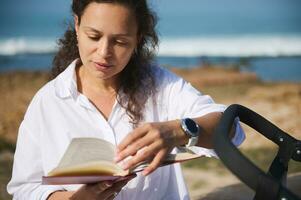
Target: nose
104	48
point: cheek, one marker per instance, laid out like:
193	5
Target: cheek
124	55
85	48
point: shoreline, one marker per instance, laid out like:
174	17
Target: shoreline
267	68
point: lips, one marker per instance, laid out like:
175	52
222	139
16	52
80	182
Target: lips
102	66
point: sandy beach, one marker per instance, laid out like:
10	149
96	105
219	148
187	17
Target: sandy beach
278	102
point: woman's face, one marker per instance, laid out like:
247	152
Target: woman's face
107	37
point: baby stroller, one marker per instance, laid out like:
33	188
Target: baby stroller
270	185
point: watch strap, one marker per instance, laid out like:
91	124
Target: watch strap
192	141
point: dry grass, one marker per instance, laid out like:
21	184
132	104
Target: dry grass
16	90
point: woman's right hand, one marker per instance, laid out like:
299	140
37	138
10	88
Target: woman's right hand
105	190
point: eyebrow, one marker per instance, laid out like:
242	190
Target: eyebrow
118	34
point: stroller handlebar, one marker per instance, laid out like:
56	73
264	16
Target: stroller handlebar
242	167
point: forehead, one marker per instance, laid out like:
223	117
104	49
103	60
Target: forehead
109	17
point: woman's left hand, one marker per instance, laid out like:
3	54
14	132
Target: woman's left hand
150	142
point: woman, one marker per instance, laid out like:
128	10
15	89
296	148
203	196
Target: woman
112	91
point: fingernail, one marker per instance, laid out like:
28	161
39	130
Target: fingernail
124	165
108	183
145	172
117	158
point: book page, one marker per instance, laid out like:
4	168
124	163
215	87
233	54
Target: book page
84	150
87	156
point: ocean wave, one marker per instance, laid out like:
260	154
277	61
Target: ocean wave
16	46
240	46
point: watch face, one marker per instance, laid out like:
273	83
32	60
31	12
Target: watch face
192	127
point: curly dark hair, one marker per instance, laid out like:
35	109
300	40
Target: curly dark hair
137	79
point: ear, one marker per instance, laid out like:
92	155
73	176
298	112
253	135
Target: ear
76	23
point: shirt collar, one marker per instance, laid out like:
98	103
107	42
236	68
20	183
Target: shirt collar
65	84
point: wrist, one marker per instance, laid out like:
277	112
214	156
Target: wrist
178	135
192	131
183	137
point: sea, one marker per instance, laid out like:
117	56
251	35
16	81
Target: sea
261	36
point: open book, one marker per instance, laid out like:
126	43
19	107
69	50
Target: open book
90	160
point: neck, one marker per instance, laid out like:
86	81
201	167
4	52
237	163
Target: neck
93	84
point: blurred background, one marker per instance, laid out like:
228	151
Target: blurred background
237	51
249	34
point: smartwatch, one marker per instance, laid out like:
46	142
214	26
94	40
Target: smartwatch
192	130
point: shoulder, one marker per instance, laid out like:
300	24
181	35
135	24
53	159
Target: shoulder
169	83
38	105
46	92
59	87
164	77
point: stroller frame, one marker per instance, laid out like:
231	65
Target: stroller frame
270	185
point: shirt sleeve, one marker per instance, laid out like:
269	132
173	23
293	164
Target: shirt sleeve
186	101
28	165
183	100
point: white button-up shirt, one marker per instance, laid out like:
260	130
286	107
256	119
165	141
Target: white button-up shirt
58	113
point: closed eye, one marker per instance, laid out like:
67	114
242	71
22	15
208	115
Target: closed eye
121	41
94	38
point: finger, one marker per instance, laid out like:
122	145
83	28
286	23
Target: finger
120	184
134	135
113	191
101	186
92	190
108	194
136	147
112	197
145	155
155	163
